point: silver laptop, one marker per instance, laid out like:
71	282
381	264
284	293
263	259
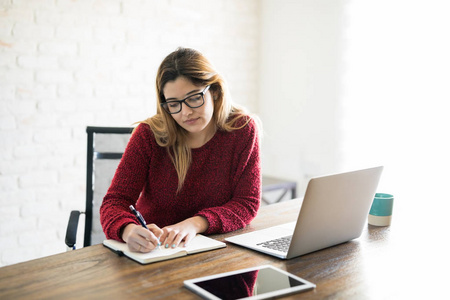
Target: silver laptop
334	211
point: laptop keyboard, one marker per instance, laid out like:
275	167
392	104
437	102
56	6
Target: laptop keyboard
280	244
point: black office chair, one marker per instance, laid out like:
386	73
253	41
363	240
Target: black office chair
105	146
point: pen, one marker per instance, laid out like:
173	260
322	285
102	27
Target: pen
138	216
141	220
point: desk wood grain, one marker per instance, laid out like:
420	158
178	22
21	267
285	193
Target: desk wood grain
367	268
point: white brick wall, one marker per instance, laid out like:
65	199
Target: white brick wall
68	64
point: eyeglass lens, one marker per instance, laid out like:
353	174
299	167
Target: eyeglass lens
193	101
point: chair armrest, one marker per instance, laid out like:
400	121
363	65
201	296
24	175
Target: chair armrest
72	226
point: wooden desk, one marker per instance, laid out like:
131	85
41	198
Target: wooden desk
375	266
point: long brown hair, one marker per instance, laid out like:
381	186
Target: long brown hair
192	65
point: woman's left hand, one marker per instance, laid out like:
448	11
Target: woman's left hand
184	232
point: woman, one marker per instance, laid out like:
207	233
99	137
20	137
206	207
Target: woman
194	167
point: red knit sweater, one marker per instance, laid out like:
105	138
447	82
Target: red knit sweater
223	183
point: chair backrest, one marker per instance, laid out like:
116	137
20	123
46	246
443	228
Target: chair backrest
105	146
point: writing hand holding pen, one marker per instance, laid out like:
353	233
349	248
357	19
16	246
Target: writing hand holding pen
141	238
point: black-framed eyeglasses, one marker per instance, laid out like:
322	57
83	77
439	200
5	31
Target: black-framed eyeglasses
193	101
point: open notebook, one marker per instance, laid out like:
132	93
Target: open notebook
198	244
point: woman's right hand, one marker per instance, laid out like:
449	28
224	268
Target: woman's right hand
140	239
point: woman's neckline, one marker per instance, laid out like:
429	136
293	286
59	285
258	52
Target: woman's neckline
208	142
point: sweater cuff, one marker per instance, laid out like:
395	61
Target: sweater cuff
121	226
214	224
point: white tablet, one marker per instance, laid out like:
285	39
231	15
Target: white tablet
254	283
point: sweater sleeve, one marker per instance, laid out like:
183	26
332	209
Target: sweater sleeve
127	184
246	183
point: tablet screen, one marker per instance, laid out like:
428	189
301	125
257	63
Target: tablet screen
254	283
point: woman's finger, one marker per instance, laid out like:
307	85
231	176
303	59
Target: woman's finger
169	242
158	232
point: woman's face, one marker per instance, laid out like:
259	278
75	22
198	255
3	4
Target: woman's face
197	121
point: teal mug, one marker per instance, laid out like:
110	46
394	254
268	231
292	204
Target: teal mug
381	211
